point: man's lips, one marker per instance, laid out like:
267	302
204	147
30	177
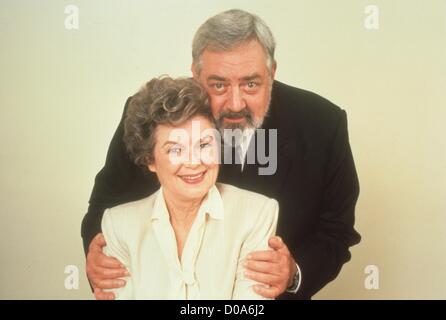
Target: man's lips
193	178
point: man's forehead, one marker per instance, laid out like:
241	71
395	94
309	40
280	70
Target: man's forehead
220	77
249	52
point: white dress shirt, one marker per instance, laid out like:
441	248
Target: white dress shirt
244	145
230	224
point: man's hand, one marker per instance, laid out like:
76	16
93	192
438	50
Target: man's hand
273	269
103	272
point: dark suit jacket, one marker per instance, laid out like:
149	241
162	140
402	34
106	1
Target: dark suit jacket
315	183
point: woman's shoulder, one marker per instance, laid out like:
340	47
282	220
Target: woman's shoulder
229	190
235	197
132	209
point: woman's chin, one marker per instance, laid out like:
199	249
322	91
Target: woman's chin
194	194
195	191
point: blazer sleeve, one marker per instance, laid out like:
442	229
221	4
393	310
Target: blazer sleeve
264	227
119	181
321	255
116	248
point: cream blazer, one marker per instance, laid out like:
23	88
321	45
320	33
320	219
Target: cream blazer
230	224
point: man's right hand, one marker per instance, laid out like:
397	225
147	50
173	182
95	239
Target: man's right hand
103	272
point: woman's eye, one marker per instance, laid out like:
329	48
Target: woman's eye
176	150
205	145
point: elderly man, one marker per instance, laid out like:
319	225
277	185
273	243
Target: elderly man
315	183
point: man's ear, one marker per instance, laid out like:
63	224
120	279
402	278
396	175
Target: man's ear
194	71
273	70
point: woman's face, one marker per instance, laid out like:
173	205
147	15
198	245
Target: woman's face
186	158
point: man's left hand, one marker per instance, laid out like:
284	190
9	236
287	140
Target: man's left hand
273	269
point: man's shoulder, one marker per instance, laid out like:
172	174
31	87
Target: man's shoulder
303	110
293	100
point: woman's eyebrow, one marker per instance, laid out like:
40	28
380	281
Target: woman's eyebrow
207	137
169	142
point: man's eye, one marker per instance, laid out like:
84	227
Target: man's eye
219	86
251	85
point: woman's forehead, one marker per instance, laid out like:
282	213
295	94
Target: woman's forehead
196	128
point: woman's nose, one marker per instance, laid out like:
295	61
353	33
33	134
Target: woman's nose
193	160
191	165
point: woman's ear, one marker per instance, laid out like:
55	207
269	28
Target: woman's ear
151	167
150	164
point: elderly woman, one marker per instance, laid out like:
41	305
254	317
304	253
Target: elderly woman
190	238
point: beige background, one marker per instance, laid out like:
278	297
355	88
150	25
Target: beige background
62	94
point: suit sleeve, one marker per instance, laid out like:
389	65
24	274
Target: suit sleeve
119	181
264	228
321	255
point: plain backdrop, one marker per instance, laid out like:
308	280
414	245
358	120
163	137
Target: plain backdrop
62	94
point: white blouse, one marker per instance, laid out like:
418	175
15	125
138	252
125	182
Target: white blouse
230	224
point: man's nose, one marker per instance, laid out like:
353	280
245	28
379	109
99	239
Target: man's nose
236	100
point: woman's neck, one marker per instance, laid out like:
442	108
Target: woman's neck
182	212
182	215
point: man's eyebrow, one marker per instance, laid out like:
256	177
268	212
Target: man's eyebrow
215	77
251	77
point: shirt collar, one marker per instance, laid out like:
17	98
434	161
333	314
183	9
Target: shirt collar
213	204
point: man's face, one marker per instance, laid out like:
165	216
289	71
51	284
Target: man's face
238	83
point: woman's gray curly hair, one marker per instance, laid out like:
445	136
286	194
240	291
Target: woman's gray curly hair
162	100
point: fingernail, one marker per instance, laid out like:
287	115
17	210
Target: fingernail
245	263
249	257
121	283
280	239
127	273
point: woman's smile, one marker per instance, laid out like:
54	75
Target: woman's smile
193	178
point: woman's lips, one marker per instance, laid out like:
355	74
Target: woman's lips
193	179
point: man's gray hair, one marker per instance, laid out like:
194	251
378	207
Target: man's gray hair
227	30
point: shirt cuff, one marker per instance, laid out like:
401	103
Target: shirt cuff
297	281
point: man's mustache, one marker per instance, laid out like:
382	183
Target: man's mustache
245	113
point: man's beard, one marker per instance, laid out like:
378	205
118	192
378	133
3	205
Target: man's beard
232	133
245	114
251	122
